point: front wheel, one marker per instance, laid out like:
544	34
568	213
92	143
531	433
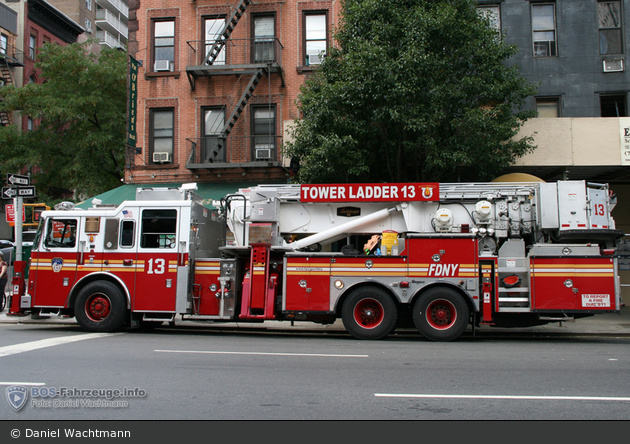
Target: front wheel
369	313
100	306
441	314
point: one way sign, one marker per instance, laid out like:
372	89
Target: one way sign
11	192
16	179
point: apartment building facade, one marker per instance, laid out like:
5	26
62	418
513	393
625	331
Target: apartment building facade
576	51
104	20
217	83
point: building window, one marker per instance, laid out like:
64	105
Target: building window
161	127
613	105
4	44
609	22
88	5
29	124
32	44
544	29
264	38
213	29
164	45
315	36
493	14
213	147
548	107
264	132
88	25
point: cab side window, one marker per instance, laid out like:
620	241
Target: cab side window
61	233
127	233
159	229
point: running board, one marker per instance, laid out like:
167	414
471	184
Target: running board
159	317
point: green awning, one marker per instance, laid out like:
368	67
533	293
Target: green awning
207	191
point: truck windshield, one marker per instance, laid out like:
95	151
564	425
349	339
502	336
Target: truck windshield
61	233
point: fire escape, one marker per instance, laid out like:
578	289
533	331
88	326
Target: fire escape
10	57
248	59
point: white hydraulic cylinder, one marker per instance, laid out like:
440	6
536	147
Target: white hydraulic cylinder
343	228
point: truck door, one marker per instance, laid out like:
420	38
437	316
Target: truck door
120	247
53	268
157	260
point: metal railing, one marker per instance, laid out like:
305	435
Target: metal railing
12	54
236	52
215	150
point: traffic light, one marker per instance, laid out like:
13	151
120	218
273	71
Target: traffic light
33	213
37	212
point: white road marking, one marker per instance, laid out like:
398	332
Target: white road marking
262	353
516	397
22	383
34	345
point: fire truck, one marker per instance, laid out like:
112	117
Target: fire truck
437	257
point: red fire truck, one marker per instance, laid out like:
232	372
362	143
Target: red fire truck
379	256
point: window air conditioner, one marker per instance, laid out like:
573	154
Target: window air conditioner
613	65
162	65
161	157
314	59
263	153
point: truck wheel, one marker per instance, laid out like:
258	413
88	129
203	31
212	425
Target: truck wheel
369	313
441	314
100	306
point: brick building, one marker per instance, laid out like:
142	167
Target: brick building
212	107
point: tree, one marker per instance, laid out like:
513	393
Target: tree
413	90
78	141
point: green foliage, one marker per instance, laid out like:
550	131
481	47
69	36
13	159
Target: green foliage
413	90
78	143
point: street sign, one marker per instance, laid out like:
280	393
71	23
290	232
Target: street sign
8	192
11	192
26	191
16	179
10	214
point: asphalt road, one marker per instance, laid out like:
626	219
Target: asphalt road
201	374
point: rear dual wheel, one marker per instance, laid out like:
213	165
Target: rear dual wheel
441	314
369	313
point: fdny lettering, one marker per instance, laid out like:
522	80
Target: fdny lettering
379	192
443	269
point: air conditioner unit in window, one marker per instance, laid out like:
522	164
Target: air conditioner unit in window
314	59
161	157
263	153
613	65
162	65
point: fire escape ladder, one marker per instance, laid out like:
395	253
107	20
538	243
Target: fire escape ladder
230	24
7	78
240	106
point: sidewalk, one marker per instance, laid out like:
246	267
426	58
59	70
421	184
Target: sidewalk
601	324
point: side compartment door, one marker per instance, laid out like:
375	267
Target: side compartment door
53	268
157	260
574	283
307	283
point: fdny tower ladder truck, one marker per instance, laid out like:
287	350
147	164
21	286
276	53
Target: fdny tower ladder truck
435	256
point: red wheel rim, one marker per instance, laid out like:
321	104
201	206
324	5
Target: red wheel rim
369	313
441	314
97	307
